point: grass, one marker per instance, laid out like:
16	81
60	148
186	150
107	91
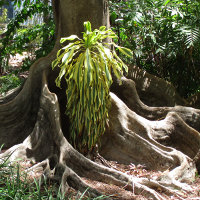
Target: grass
16	185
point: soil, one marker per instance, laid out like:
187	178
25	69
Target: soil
120	193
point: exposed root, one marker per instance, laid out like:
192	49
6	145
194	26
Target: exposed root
128	94
154	91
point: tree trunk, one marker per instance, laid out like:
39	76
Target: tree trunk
33	124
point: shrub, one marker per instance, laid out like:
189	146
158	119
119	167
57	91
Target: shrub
86	66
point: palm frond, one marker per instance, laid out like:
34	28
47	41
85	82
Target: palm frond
191	34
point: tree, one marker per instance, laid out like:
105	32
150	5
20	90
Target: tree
33	124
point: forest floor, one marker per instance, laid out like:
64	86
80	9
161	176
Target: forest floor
114	191
120	193
140	171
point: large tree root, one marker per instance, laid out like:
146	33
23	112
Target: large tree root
154	91
127	93
177	126
130	138
62	157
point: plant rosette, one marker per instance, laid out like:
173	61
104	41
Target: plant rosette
86	66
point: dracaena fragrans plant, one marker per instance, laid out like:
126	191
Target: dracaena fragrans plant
86	66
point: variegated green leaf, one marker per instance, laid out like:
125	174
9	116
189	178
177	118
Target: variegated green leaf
90	99
125	51
117	73
65	58
88	66
54	63
102	28
102	93
77	73
87	26
83	93
108	75
72	37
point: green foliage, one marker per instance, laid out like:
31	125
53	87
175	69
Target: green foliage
9	82
164	36
192	36
18	39
3	20
86	66
3	2
3	17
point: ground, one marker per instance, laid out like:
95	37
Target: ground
119	193
138	171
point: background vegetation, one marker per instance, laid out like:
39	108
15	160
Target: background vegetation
164	36
37	40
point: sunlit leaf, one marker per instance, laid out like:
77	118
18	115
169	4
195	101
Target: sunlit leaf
87	26
70	38
125	51
88	66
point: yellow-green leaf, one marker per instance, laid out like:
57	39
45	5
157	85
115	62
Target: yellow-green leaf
125	51
88	66
72	37
77	74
